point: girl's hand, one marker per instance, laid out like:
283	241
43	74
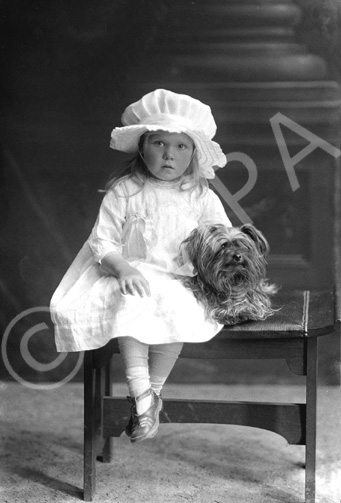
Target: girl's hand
131	281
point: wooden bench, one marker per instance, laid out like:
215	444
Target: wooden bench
291	334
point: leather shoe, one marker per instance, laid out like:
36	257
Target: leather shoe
143	426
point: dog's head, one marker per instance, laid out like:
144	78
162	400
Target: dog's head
229	259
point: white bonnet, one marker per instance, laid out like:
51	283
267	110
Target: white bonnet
175	113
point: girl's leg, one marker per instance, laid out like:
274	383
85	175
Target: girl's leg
134	355
145	404
162	358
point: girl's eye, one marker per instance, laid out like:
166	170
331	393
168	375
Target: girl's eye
159	143
182	146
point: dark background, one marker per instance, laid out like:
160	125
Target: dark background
68	71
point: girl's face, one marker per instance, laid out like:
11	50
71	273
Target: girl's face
167	155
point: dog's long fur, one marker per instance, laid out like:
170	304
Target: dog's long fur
230	267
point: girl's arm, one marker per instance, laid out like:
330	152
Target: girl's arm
130	280
214	212
105	243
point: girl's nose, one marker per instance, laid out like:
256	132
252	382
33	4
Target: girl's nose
168	154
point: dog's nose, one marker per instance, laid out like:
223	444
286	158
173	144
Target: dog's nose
237	257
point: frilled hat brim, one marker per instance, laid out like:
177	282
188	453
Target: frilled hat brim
209	153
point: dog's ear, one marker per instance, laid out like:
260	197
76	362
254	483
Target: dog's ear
186	258
185	265
257	237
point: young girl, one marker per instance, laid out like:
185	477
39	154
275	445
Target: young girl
123	283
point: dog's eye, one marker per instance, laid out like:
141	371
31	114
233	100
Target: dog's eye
224	245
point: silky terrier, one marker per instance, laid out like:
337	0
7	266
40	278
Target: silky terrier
229	267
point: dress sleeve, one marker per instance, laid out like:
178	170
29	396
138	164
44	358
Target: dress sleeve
106	234
214	211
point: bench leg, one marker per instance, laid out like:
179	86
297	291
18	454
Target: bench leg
311	418
89	427
106	388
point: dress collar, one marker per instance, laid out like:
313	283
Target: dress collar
163	184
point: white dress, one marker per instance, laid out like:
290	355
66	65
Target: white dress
146	227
